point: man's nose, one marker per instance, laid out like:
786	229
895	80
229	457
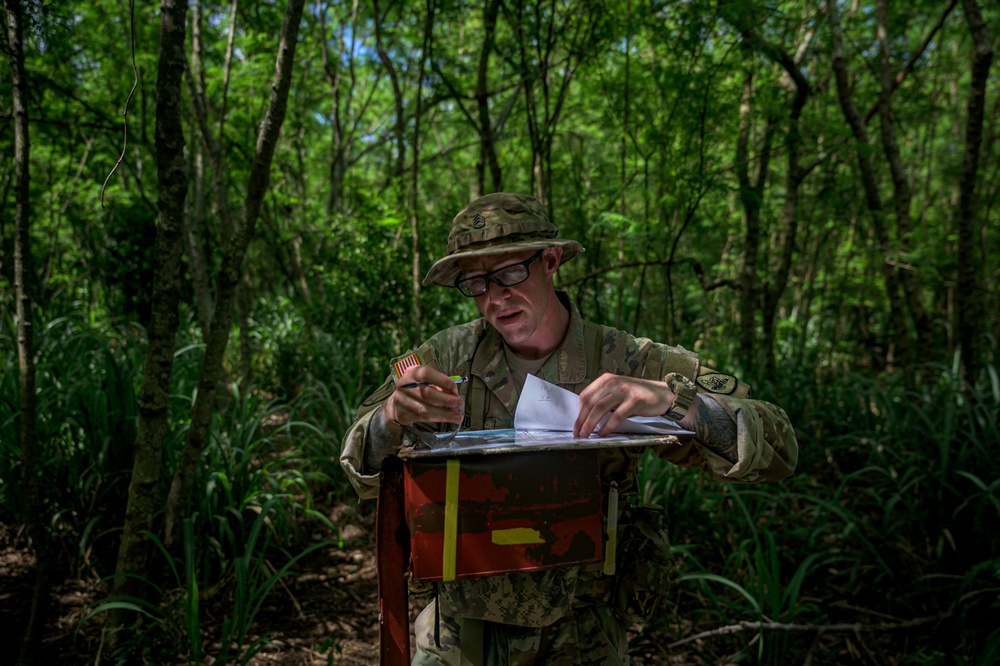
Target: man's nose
502	291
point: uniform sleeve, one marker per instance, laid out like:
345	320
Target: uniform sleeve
766	447
435	353
358	435
352	455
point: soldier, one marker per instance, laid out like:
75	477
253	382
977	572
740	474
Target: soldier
503	252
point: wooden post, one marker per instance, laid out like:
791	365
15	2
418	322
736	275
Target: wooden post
392	545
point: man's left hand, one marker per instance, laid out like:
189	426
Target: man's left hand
618	398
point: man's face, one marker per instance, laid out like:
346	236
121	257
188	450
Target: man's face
523	314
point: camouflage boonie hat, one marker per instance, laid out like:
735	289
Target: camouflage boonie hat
500	223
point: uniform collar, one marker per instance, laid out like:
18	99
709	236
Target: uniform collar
567	365
570	357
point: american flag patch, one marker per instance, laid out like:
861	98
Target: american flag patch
405	363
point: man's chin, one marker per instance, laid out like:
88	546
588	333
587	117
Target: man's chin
511	328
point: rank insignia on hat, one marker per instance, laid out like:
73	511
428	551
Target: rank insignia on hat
405	363
478	221
716	382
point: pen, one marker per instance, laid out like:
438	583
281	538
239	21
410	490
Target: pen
458	379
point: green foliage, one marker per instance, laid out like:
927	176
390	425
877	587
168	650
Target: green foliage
898	483
887	512
174	633
86	387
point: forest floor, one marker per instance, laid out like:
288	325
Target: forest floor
325	613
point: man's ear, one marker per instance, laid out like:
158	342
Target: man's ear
551	257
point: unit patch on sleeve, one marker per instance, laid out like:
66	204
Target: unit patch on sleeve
717	382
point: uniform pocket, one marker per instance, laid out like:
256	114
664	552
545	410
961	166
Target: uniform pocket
527	599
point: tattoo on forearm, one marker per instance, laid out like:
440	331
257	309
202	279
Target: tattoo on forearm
716	429
383	438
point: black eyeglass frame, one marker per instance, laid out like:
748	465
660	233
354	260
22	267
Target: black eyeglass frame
463	288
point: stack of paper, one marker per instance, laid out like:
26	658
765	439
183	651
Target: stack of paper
545	406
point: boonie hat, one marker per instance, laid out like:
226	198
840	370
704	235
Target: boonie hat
499	223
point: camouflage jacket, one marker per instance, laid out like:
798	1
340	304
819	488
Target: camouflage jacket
766	446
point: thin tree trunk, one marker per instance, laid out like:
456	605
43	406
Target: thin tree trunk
297	272
334	77
415	177
397	95
542	113
969	291
901	185
230	273
134	550
752	200
34	510
800	90
212	142
244	311
897	333
487	143
201	280
623	161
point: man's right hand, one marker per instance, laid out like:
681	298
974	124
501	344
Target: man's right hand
437	403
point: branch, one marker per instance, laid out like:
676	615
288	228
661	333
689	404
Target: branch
455	95
854	628
695	266
916	56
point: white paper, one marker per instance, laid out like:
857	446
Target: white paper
545	406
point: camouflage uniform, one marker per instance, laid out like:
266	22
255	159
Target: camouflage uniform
562	616
766	451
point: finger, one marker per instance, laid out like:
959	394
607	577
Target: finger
426	404
428	375
435	405
595	402
590	418
615	417
423	413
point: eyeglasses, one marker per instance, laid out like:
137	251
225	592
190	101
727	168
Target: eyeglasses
508	276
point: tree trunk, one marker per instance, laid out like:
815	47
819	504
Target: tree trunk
800	90
543	111
339	137
416	274
201	280
487	143
752	200
623	174
968	312
901	186
897	333
211	144
229	275
24	287
397	95
134	550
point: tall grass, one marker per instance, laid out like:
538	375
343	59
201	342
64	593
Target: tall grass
888	519
174	632
266	458
86	388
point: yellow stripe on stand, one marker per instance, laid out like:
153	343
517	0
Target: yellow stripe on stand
448	558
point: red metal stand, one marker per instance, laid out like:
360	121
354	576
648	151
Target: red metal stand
392	544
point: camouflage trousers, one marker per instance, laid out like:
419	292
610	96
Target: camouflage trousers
586	635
